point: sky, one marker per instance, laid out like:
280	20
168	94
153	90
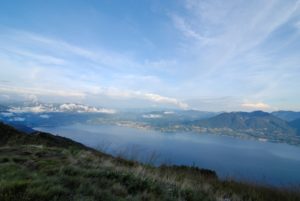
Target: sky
210	55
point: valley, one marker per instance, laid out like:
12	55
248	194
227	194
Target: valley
254	125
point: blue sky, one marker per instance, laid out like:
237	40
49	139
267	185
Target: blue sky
190	54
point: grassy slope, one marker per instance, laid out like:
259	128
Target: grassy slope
40	170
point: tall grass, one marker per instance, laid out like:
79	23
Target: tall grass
44	173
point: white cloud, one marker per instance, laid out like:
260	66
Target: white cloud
219	55
34	109
187	30
152	116
32	97
130	94
161	99
65	107
34	92
168	112
251	52
297	25
45	116
17	119
7	114
57	73
84	108
230	30
101	57
5	96
259	105
40	58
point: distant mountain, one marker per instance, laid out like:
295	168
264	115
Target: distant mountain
38	107
257	121
296	124
287	115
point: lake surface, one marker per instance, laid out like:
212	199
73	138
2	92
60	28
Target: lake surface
250	160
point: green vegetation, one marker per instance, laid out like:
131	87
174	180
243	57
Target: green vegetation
40	170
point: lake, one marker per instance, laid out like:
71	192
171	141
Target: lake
249	160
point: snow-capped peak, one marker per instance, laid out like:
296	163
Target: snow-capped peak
65	107
72	107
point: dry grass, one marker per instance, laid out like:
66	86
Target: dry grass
49	173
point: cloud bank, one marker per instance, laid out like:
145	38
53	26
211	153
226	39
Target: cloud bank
260	106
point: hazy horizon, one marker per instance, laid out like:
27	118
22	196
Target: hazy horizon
204	55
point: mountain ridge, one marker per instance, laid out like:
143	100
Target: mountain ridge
286	115
256	121
40	107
